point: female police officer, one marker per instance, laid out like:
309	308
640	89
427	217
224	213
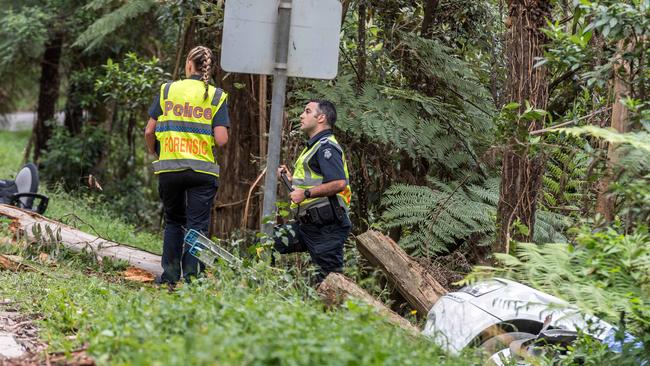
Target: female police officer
187	119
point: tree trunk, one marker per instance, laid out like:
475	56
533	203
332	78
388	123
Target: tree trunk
262	117
48	92
417	286
336	288
73	111
361	46
522	170
237	171
427	22
184	41
345	4
606	201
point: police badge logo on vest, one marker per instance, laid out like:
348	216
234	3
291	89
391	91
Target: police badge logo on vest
327	153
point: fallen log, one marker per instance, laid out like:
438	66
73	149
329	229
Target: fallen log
36	227
336	288
412	280
11	262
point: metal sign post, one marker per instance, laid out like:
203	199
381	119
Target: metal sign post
277	111
297	38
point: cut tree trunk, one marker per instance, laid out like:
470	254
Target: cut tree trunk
412	280
39	228
336	288
521	173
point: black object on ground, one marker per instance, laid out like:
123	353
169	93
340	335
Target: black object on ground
22	192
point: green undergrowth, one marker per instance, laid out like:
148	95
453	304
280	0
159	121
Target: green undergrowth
254	316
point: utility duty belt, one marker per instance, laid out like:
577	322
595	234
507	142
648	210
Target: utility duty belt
323	215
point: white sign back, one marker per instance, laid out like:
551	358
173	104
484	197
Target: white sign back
249	31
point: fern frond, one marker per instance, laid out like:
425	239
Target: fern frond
111	21
443	213
445	129
639	140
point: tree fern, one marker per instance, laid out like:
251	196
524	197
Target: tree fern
111	21
565	177
456	79
448	129
442	214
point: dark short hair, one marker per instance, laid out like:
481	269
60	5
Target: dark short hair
328	109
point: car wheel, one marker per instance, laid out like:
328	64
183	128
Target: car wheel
497	348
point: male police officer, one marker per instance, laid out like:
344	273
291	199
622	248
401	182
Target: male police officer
321	196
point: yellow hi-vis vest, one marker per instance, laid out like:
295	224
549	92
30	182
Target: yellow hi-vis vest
304	177
184	130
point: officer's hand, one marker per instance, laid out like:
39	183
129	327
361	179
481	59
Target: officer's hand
298	195
283	168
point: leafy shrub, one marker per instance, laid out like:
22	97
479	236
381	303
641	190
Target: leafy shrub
71	158
22	34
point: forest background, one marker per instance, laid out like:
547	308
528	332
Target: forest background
470	129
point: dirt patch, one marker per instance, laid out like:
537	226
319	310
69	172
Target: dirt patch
25	332
138	275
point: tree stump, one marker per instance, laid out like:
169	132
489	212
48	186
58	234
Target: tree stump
336	288
412	280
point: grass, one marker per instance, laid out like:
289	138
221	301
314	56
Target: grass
224	320
227	318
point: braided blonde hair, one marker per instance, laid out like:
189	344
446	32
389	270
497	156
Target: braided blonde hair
204	61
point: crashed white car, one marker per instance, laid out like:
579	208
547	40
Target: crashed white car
504	317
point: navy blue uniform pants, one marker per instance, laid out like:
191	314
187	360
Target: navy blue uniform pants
187	202
323	242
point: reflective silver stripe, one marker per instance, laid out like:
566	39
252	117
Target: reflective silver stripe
298	182
166	90
193	127
217	97
182	164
